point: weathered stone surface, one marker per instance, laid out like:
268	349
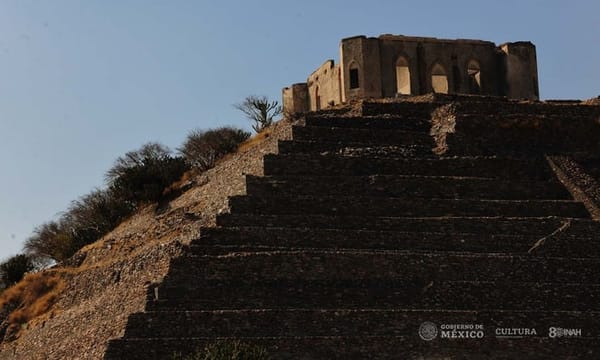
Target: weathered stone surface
353	149
364	136
581	175
404	206
489	166
427	187
451	225
376	322
342	250
379	294
312	264
219	241
498	127
415	122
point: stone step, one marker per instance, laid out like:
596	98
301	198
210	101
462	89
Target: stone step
524	143
375	293
544	226
398	122
488	167
440	187
403	207
347	265
353	149
486	106
516	110
244	239
362	136
422	110
343	322
483	122
480	135
370	347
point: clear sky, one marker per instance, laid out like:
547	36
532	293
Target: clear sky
84	81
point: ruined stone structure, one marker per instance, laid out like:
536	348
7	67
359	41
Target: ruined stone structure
395	65
368	220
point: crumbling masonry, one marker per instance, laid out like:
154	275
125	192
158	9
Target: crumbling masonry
396	65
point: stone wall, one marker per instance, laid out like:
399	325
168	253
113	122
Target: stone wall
488	126
454	56
520	66
363	53
324	86
295	98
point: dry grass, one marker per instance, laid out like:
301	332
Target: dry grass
180	185
30	298
255	140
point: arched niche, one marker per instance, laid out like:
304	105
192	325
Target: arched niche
353	71
474	75
402	76
439	79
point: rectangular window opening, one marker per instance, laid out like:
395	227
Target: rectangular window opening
353	78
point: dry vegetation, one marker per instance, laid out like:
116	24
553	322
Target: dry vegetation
255	140
72	312
29	299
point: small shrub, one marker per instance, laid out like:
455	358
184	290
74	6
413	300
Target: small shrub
13	269
227	350
202	149
135	158
141	176
147	182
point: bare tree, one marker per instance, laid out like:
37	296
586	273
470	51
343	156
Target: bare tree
260	110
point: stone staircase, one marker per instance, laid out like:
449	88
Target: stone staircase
358	234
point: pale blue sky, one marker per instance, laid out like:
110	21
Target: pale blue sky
82	82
